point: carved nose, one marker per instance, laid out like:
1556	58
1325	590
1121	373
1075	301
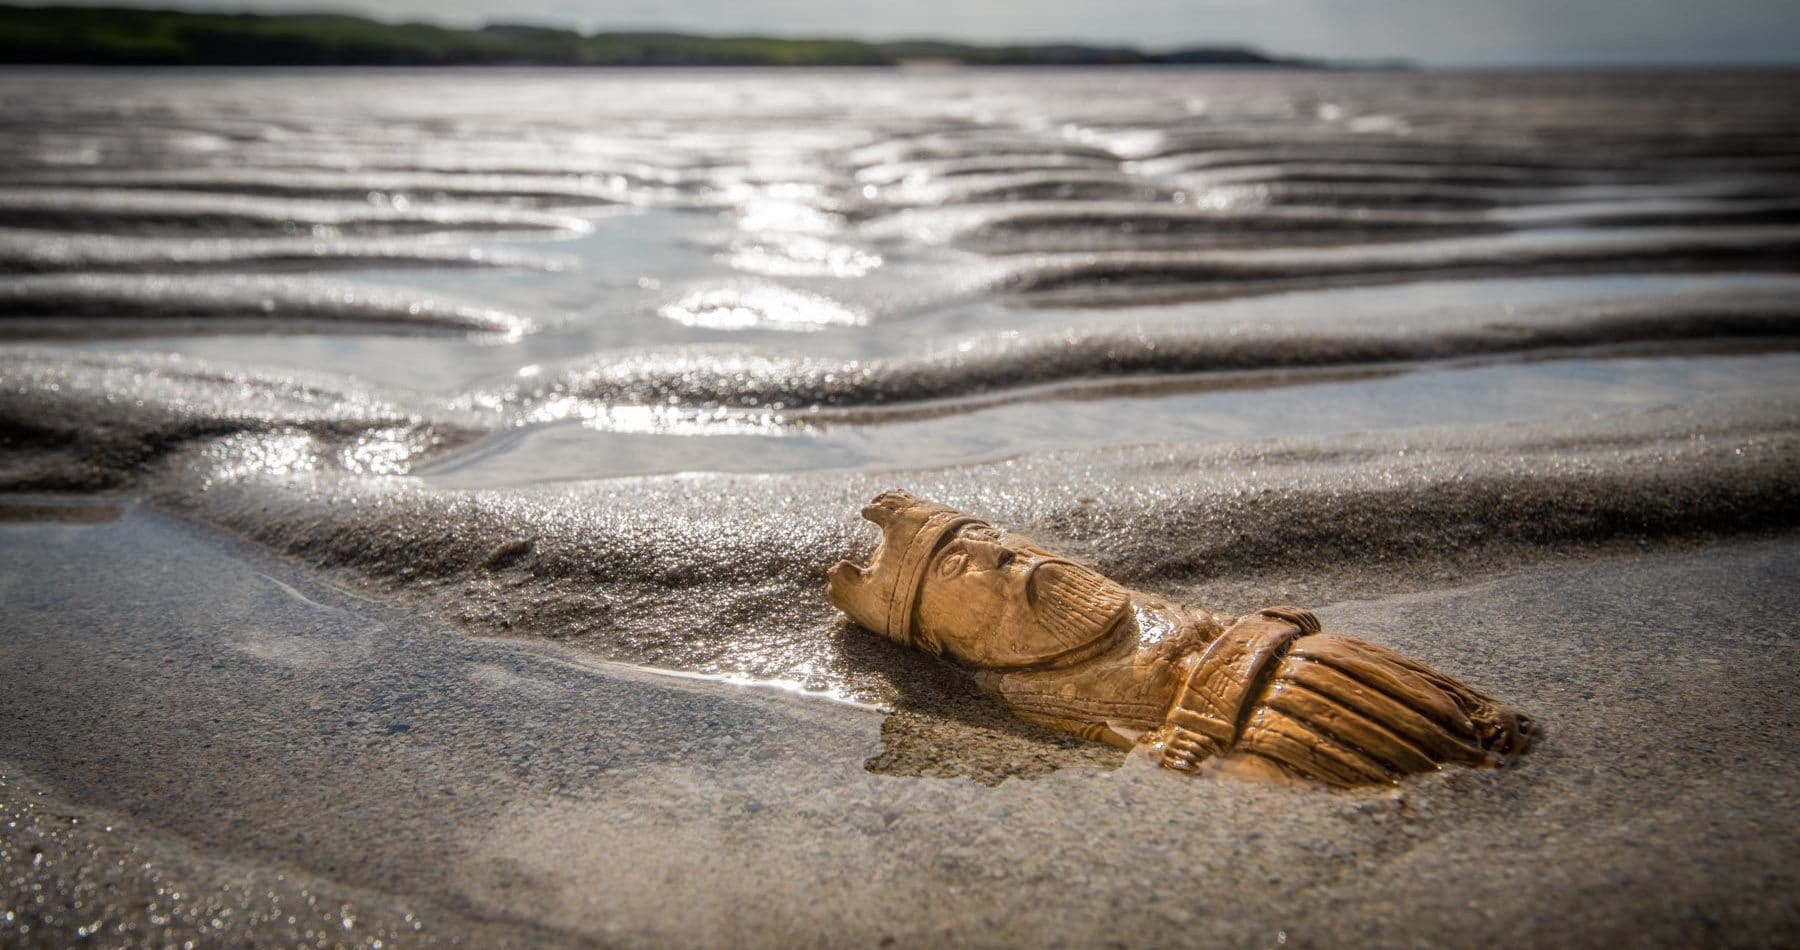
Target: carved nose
988	556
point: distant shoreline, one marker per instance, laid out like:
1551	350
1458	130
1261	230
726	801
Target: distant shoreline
114	36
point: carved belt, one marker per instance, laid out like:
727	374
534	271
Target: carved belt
1232	673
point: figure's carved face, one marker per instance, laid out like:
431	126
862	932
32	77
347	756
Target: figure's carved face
992	599
946	582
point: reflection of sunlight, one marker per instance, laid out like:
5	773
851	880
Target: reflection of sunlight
785	215
382	452
277	453
674	420
1382	124
765	307
666	420
1125	143
801	256
385	451
1229	197
802	688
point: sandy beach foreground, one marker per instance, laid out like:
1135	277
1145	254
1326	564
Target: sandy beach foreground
417	492
336	771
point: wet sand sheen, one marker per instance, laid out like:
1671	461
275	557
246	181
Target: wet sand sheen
627	440
724	574
436	787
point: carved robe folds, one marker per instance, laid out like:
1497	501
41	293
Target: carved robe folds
1269	694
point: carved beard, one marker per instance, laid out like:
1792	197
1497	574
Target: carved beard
1075	604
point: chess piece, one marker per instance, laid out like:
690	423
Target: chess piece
1268	694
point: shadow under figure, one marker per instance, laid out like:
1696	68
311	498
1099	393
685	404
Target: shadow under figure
1267	695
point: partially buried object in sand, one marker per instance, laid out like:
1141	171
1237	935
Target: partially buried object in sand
1268	694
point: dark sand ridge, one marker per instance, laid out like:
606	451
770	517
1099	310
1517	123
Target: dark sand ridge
94	306
978	165
1317	202
988	367
515	184
1059	184
570	188
1611	149
986	142
1159	147
701	377
1710	200
1459	169
1617	127
1650	160
1512	184
119	413
1254	405
1568	162
74	421
154	212
1144	277
1021	226
1402	194
23	251
1335	186
338	757
255	167
95	420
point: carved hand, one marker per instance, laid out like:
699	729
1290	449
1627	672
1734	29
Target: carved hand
1184	749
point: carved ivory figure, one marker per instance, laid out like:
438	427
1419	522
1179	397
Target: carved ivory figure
1268	694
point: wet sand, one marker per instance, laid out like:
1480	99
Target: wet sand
375	777
446	469
725	574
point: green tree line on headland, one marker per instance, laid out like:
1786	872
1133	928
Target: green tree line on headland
117	36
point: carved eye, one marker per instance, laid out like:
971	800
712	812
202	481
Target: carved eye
953	564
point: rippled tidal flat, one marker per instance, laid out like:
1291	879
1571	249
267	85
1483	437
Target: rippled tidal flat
605	363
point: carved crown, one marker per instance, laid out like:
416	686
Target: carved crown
883	595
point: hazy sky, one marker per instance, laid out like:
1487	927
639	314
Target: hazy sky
1442	32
